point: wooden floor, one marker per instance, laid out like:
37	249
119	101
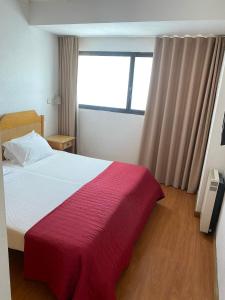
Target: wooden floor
171	260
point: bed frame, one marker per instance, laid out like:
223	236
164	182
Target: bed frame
14	125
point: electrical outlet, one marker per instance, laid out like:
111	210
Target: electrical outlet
49	101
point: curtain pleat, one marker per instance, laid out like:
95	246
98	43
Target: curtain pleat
182	93
68	65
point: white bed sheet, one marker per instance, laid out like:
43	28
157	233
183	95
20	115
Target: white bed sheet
33	191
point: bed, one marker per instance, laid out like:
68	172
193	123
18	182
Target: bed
76	218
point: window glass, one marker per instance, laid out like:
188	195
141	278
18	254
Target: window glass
142	74
103	80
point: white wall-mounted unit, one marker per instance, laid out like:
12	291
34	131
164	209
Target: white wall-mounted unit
212	202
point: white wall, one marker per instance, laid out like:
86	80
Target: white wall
110	135
215	153
4	261
215	158
28	65
220	253
103	11
116	44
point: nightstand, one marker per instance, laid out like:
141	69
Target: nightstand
62	142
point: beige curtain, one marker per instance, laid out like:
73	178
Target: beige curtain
68	64
181	99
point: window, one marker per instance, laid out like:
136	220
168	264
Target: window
114	81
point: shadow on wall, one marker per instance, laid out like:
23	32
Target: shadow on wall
23	6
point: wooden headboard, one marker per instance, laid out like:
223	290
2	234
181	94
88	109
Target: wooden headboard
14	125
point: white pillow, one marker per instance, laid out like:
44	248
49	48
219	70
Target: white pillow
7	154
6	170
28	148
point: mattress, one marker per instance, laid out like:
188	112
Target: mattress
33	191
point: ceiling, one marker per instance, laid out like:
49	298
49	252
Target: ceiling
49	0
138	29
85	18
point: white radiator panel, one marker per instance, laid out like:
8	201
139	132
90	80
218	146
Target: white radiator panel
209	200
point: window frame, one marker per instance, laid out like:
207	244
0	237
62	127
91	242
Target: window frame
132	55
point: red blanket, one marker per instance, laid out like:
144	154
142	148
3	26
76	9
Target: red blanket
81	248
